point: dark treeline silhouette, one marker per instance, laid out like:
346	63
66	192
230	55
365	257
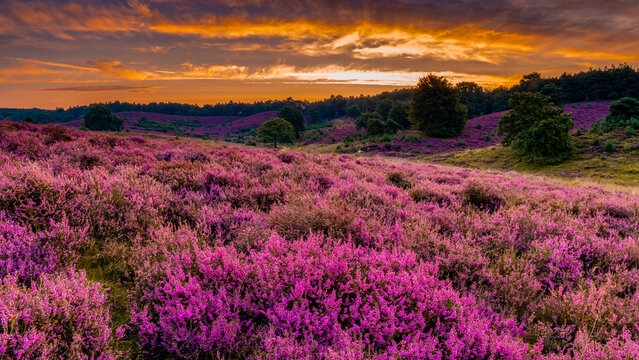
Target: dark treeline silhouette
608	83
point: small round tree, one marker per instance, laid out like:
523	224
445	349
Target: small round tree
536	130
362	120
276	130
353	112
294	116
435	108
100	118
625	108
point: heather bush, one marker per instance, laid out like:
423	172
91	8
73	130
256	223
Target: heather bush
59	317
217	251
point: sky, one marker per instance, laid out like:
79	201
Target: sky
65	53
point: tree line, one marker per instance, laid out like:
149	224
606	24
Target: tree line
609	83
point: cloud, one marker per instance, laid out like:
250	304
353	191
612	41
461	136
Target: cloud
103	88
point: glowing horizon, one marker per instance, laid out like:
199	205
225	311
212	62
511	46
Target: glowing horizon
65	53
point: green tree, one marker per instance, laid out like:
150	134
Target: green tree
100	118
399	114
384	107
375	126
294	116
625	108
536	130
276	130
362	120
44	118
553	92
435	108
314	115
353	112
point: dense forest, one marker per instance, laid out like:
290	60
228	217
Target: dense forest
595	84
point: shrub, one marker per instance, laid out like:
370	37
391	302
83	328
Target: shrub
436	109
59	317
399	179
536	130
481	197
609	147
100	118
276	130
362	121
625	108
294	116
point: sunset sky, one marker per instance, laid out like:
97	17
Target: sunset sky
62	53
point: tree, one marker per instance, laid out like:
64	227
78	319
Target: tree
375	126
353	112
44	118
383	108
399	114
362	120
436	109
536	130
276	130
294	116
625	108
314	115
553	92
100	118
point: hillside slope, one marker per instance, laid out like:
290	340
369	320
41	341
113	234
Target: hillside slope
191	250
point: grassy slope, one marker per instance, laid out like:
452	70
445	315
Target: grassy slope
590	163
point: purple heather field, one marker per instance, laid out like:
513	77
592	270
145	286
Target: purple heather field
121	246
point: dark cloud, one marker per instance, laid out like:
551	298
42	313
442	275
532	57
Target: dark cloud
145	41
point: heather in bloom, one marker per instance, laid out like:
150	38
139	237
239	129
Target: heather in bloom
60	317
217	251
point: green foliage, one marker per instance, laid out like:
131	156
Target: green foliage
276	130
314	115
362	121
609	146
294	116
172	127
353	112
100	118
28	121
383	108
44	118
625	108
399	114
436	109
536	130
375	126
553	92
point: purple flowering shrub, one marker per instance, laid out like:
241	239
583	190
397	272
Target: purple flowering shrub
215	251
61	316
314	296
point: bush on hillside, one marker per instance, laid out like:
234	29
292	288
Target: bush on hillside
536	130
436	109
100	118
625	108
